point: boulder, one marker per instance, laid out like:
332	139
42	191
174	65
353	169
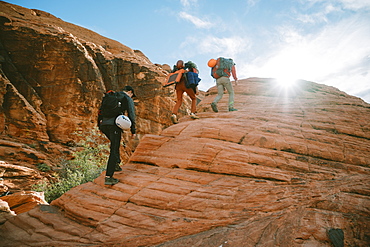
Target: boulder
24	201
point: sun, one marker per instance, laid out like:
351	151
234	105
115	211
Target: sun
286	81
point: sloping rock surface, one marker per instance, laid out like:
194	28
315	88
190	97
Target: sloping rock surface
290	168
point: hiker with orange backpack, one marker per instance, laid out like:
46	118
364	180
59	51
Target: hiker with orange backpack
180	89
221	70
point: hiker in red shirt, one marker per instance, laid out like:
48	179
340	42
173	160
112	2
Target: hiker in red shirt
180	89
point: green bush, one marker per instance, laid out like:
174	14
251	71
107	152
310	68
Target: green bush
43	167
87	165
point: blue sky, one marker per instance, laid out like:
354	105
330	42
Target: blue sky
325	41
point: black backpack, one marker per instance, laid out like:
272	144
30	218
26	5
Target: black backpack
111	105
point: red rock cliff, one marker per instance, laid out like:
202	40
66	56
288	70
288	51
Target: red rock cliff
287	169
52	77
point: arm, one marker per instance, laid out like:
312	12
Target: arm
233	72
131	114
100	117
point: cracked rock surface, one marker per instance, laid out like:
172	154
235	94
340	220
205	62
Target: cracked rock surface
284	170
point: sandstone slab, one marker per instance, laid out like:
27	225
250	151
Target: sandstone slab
284	170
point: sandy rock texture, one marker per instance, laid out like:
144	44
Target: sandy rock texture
289	168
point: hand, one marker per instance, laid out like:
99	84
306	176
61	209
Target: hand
236	82
133	136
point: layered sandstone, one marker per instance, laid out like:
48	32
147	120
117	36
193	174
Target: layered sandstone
52	77
290	168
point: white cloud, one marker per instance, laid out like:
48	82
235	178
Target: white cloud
346	4
356	4
318	16
352	82
195	20
214	46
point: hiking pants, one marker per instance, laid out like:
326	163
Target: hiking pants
180	89
224	82
113	132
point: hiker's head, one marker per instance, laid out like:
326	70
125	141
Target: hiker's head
212	63
180	64
130	91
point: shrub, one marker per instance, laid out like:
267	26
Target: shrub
87	165
43	167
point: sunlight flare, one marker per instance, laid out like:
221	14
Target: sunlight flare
286	81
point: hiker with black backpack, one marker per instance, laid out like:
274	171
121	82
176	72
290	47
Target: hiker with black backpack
221	70
116	104
181	88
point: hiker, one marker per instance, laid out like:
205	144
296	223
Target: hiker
180	89
106	124
221	70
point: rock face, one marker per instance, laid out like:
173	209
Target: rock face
24	201
5	211
52	77
290	168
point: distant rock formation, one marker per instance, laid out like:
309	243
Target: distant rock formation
52	77
289	168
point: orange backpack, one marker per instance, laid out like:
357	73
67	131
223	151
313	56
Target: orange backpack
174	78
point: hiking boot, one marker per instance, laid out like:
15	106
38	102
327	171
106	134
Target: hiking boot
232	109
193	116
117	168
214	107
174	119
111	181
